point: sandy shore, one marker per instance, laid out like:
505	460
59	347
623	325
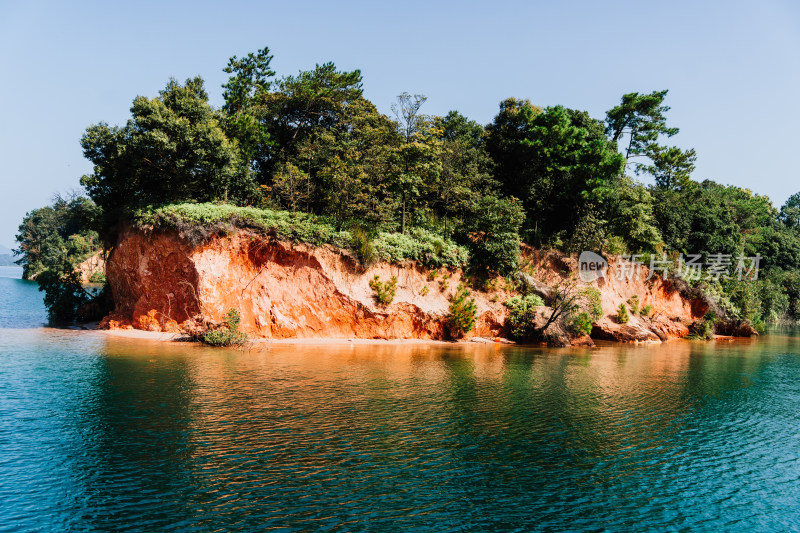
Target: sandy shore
162	336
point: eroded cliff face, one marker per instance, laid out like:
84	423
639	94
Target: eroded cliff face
281	290
162	283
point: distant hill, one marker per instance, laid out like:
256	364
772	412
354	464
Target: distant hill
6	256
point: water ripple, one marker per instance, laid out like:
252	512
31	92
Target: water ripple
111	434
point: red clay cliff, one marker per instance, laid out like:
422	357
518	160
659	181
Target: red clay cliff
160	282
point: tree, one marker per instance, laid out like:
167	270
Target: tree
629	209
790	212
359	158
418	164
301	106
505	143
62	231
465	168
53	241
558	161
244	93
173	149
641	118
671	167
567	300
492	232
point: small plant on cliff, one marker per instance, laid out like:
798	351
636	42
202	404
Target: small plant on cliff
588	312
522	315
424	291
647	310
592	303
463	312
703	329
581	323
622	314
98	277
633	301
228	334
363	246
384	290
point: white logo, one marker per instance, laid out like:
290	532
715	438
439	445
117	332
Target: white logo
592	267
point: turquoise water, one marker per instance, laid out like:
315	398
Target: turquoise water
104	434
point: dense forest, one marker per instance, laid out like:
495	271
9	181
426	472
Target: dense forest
310	150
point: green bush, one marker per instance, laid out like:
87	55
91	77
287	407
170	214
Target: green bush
581	323
200	221
420	245
633	301
622	314
588	311
384	290
592	304
463	312
522	315
647	310
492	230
362	245
228	334
703	329
98	277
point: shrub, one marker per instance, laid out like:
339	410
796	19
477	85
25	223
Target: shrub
98	277
592	304
703	329
362	245
633	301
622	314
522	315
463	312
647	310
228	334
384	290
581	323
431	250
424	291
198	222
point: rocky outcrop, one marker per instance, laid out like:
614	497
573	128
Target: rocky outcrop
161	282
93	265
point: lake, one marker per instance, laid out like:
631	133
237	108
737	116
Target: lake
101	433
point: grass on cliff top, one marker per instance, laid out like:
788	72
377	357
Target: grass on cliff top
198	222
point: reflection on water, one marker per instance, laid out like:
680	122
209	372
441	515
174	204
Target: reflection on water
111	433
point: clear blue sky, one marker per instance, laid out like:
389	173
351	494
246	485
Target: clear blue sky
732	69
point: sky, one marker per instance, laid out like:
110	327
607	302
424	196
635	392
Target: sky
732	70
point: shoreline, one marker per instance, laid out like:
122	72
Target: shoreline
320	341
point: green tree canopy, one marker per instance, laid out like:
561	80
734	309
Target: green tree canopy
557	161
173	149
640	117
